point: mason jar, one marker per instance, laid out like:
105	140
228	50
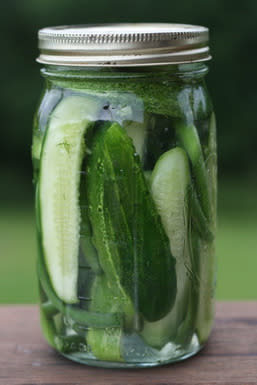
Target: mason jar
124	155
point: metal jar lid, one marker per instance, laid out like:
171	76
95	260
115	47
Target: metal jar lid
123	44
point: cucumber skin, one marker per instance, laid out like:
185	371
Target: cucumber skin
211	166
189	140
104	242
137	247
105	343
86	245
207	250
200	222
48	329
207	273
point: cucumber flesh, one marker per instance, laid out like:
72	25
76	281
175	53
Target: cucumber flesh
170	181
59	179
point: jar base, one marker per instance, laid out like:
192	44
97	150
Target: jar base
171	353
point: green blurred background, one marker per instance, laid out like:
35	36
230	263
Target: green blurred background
232	82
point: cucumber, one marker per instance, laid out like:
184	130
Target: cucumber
86	244
201	224
132	246
207	273
99	170
63	343
36	148
170	182
137	132
48	328
211	166
88	250
49	309
189	140
105	343
206	250
79	316
201	211
59	179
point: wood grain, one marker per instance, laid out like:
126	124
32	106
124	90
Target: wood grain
230	357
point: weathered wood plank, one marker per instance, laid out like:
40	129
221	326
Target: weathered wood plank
230	357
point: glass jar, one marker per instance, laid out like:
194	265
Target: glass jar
124	155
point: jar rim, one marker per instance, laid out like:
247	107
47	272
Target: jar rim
123	45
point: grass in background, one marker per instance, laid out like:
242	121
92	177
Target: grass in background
237	240
236	247
18	255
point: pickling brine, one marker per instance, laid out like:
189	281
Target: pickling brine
125	179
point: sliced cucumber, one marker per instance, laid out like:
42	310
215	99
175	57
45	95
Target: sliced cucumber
206	250
189	140
200	222
207	273
50	99
170	181
211	166
36	147
61	158
79	316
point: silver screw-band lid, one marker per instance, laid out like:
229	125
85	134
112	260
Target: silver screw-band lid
123	44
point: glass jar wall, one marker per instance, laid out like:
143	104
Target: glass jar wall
125	179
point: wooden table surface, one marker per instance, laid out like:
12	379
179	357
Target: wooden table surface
230	357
